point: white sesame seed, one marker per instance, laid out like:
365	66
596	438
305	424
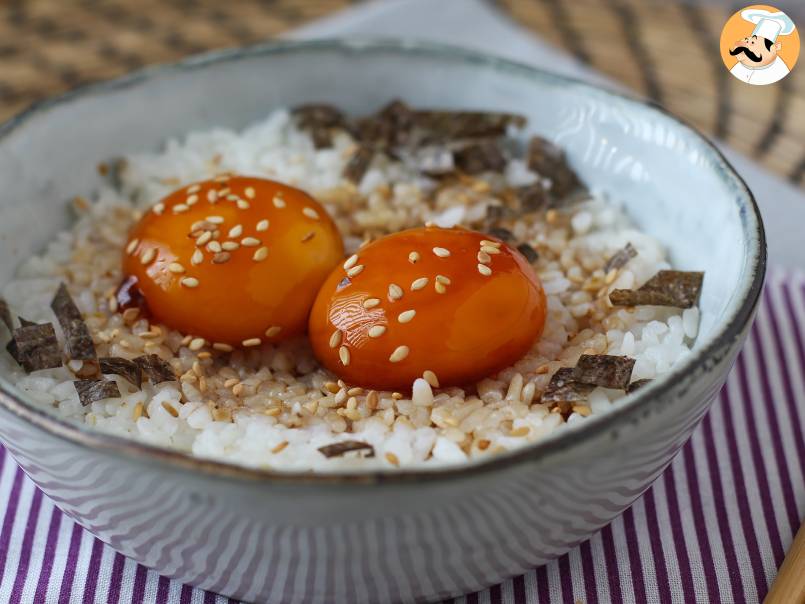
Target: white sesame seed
310	213
260	254
191	200
443	279
222	178
203	238
419	283
351	261
439	287
279	202
335	339
413	257
492	243
236	231
221	257
180	207
484	270
395	291
196	343
132	246
252	342
273	331
175	267
371	302
212	195
484	258
262	225
222	347
230	245
250	241
159	208
214	247
399	354
197	257
243	204
441	252
343	354
489	249
249	192
189	282
215	219
406	316
223	192
148	255
375	331
430	378
355	270
194	188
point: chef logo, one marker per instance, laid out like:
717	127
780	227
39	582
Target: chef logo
759	45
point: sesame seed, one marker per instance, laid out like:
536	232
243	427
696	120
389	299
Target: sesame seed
189	282
175	267
180	207
194	188
243	204
159	208
196	344
395	291
197	257
371	302
351	261
392	458
443	279
249	192
132	246
413	257
222	178
399	354
273	331
222	347
250	241
221	257
308	236
492	243
430	378
148	255
484	270
484	258
260	254
203	238
191	200
279	202
215	219
252	342
489	249
230	245
310	213
335	339
280	447
406	316
223	192
355	270
419	283
236	231
343	354
439	287
214	246
441	252
375	331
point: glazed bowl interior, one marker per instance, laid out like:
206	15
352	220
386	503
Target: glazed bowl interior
674	185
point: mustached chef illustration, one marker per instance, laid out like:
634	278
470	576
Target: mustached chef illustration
757	54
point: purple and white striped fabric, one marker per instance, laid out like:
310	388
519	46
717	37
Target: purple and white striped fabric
713	528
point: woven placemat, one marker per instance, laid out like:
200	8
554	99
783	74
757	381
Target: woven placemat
666	50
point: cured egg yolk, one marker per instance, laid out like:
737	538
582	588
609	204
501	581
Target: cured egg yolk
235	260
453	302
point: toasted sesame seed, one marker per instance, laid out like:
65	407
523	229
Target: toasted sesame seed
492	243
343	354
169	408
308	236
406	316
521	431
279	448
443	279
262	225
310	213
197	257
138	411
250	241
223	192
335	339
395	291
212	195
399	354
214	247
419	283
221	257
371	302
392	458
252	342
260	254
191	200
175	267
484	270
236	231
222	178
243	204
197	344
189	282
273	331
132	246
430	378
375	331
222	347
484	258
180	207
203	238
441	252
355	270
230	245
413	257
489	249
351	261
148	255
439	287
278	202
158	208
249	192
194	188
215	219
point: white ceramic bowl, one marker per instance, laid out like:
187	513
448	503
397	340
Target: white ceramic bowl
387	536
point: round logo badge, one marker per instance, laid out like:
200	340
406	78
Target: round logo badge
759	45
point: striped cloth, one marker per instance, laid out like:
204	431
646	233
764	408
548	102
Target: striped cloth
713	528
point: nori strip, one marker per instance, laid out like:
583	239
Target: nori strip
155	368
533	198
564	389
358	164
5	314
35	347
79	341
443	126
529	252
90	391
501	233
549	161
319	119
680	289
636	385
482	156
620	258
607	371
495	213
339	449
125	368
25	322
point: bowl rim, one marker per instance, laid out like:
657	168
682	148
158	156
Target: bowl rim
750	280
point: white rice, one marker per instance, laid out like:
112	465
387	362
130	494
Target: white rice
278	406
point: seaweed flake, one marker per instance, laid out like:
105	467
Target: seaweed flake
481	156
529	252
90	391
340	448
80	346
636	385
680	289
549	161
155	368
563	388
607	371
35	347
125	368
358	164
619	259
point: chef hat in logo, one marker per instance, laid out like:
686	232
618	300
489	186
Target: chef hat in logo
768	25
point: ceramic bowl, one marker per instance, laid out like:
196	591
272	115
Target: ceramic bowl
379	536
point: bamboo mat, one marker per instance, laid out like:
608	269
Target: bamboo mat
662	49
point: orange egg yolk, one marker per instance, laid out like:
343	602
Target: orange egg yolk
457	303
234	260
